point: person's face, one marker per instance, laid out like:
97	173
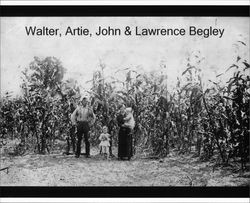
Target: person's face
123	110
105	130
56	133
84	102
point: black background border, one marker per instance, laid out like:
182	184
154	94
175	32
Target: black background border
236	11
132	192
140	11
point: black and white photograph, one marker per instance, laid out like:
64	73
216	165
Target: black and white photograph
125	101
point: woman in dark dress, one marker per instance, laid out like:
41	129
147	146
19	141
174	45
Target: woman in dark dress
124	137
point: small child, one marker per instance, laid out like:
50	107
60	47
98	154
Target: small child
105	141
129	119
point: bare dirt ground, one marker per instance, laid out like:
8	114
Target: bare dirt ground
62	170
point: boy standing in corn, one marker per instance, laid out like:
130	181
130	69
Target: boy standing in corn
83	117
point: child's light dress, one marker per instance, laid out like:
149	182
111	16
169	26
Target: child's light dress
129	119
104	140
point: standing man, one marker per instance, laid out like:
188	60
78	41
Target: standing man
71	137
83	117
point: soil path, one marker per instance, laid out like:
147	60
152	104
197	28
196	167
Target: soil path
62	170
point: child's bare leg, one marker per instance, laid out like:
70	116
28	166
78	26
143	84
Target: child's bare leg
108	155
103	150
107	151
100	150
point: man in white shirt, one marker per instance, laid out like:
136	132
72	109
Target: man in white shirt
83	117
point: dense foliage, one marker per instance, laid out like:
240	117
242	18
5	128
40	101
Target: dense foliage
212	121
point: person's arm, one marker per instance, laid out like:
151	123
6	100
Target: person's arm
73	117
120	120
127	118
92	115
106	137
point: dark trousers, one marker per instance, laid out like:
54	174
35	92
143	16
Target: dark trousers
110	147
125	145
82	129
71	140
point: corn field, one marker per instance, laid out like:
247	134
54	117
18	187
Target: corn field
211	121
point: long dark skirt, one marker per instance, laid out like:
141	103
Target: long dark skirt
125	143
